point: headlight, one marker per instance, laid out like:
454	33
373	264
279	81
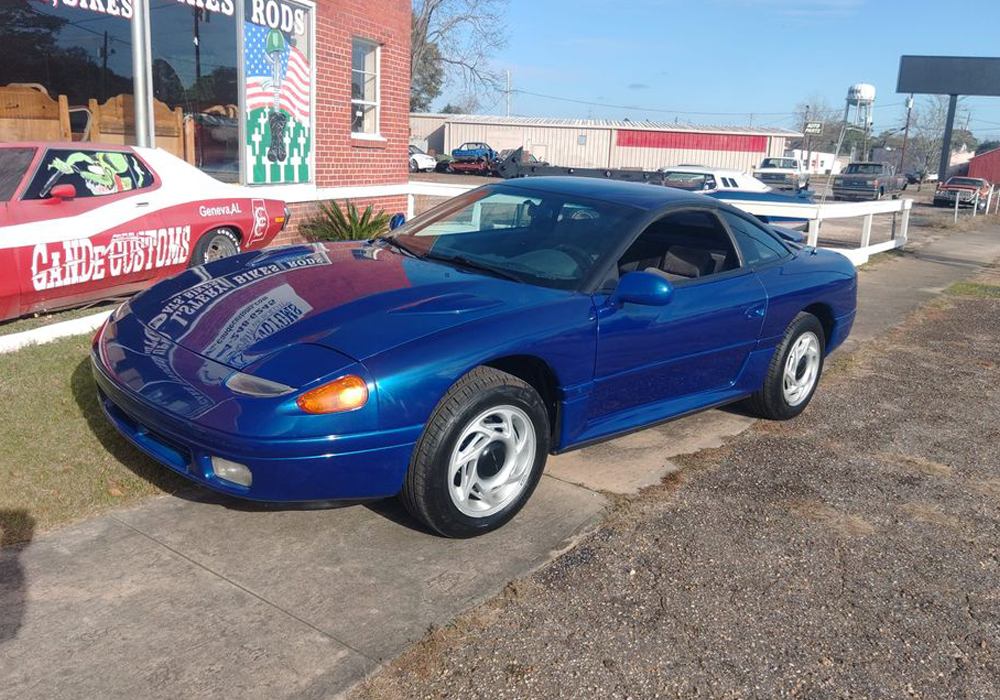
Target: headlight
344	394
249	385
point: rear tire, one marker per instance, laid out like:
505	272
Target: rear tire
791	382
480	456
214	245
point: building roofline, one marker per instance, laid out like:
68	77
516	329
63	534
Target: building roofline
642	125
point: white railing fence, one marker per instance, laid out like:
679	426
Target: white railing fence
814	214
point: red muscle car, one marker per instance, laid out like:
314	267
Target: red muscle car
81	222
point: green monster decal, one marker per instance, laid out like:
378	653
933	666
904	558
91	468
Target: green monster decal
103	173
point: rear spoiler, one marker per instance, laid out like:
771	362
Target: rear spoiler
790	235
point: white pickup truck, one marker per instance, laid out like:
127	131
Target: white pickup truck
783	174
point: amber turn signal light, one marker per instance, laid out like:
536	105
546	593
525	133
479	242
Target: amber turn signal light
344	394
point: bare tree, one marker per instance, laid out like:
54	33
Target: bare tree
466	34
927	126
816	108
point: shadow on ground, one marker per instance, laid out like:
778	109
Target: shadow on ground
15	526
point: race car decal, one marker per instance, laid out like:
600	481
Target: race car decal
78	260
104	173
260	220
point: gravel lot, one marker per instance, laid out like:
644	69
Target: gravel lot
851	553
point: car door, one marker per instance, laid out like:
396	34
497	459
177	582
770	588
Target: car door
84	246
695	345
15	164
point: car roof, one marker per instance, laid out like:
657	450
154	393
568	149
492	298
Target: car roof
640	195
78	145
702	169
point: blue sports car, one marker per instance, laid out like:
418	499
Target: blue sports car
445	361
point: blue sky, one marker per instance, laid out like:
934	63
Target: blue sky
732	56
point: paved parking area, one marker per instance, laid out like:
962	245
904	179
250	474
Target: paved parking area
198	598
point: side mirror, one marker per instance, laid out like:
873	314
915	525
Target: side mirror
644	288
61	192
396	221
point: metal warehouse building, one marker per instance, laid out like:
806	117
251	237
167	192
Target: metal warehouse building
599	143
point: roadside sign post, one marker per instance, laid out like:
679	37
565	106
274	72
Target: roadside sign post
958	199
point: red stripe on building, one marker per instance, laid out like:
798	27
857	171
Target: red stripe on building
692	141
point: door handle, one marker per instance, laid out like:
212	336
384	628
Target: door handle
755	311
142	204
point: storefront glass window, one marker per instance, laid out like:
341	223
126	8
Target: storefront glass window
195	78
66	72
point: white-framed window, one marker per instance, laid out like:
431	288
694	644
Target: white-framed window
365	88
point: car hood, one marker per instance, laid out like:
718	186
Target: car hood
356	299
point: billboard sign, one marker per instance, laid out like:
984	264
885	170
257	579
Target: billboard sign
813	128
949	75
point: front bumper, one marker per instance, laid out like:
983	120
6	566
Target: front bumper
948	197
342	467
860	193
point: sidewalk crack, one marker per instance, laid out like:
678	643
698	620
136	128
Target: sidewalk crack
243	588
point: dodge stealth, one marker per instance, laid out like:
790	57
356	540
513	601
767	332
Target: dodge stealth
444	361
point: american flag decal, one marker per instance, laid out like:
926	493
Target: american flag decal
295	83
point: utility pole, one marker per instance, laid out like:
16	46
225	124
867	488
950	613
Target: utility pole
508	93
906	134
809	140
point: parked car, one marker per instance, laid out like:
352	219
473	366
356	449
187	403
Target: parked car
868	181
472	157
965	190
783	173
525	157
735	187
81	222
445	361
420	161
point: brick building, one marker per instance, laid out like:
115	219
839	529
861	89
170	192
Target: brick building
303	101
365	167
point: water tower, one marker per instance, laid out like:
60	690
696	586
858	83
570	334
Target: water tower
861	97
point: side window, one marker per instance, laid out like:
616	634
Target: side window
684	246
757	245
92	173
710	182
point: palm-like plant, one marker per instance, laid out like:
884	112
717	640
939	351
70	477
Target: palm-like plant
331	224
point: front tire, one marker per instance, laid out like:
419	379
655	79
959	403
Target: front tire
480	456
214	245
794	371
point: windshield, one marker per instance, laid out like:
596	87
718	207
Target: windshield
14	162
693	182
964	182
778	163
863	169
549	240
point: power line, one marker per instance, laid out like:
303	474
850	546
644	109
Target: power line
649	109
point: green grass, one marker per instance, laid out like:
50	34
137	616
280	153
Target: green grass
879	258
974	289
31	322
61	460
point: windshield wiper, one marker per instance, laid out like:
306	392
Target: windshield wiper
393	243
473	265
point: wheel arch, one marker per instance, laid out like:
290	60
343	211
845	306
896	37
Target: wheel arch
540	375
824	313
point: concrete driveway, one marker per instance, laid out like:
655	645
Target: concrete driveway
199	597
